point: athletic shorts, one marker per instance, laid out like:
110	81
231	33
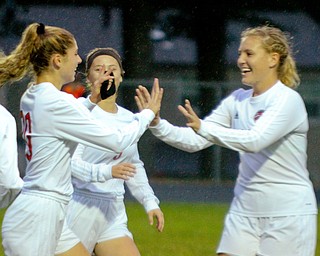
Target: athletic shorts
96	219
67	239
269	236
32	225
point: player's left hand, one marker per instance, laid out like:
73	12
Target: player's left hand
158	214
193	120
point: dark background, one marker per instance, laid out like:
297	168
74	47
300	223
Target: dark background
191	47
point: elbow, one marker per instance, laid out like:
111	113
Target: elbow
253	148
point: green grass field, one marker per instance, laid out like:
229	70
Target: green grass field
190	229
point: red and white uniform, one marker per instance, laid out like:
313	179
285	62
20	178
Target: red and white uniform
270	133
54	122
97	212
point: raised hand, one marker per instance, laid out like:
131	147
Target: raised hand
193	120
146	101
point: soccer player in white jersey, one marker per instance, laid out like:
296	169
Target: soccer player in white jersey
96	213
54	122
274	209
10	180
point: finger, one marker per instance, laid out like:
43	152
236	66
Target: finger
129	165
183	111
124	177
189	108
141	98
110	70
157	98
160	223
103	69
138	102
145	93
160	96
155	87
150	216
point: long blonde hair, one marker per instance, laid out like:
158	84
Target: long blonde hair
275	40
32	55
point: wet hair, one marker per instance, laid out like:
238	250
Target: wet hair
103	51
275	40
32	55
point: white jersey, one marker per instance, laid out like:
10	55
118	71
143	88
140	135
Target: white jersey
91	164
54	122
10	181
270	133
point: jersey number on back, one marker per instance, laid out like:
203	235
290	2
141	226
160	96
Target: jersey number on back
26	129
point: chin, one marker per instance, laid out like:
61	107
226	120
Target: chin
244	82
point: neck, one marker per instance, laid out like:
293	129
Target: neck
49	78
259	89
108	105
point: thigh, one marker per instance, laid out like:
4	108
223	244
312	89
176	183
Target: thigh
287	236
122	246
32	225
76	250
240	236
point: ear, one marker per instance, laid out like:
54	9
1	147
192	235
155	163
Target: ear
274	59
56	60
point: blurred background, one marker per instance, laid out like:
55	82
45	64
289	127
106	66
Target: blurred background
191	46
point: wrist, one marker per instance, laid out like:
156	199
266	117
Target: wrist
93	99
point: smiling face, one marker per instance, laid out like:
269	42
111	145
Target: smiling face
109	62
71	61
258	67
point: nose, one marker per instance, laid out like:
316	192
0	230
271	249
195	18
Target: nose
79	59
240	59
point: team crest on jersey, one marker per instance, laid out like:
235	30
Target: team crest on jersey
258	115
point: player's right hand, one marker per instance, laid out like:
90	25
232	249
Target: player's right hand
123	171
104	75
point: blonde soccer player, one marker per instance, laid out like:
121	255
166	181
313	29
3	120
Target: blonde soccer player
274	209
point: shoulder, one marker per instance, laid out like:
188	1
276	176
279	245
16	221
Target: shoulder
240	94
7	120
5	115
292	95
122	110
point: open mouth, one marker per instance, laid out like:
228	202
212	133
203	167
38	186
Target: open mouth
245	70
